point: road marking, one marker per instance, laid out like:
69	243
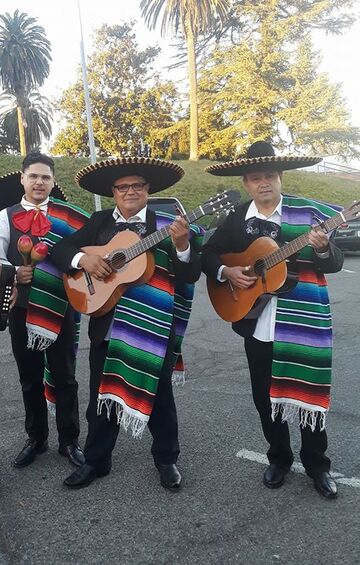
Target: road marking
296	467
348	271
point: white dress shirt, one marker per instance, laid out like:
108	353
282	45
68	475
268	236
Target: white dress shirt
5	227
265	326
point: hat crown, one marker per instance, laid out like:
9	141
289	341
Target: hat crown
260	149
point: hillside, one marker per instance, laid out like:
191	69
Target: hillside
197	186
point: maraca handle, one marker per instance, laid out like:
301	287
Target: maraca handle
26	258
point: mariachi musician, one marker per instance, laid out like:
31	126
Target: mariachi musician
288	338
28	213
135	345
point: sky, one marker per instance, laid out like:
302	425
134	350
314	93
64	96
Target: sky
61	23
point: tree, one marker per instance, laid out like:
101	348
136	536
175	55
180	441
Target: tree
37	115
314	111
24	60
193	17
293	18
131	105
269	87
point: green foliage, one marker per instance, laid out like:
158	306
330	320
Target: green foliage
24	66
197	186
130	103
24	53
189	16
37	114
292	18
269	87
314	111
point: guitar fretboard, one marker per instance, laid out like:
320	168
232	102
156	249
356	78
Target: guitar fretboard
300	242
154	238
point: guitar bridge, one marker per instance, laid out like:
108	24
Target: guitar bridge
89	283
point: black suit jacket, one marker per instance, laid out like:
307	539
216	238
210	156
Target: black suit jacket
98	230
231	237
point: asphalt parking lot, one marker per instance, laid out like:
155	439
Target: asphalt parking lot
223	515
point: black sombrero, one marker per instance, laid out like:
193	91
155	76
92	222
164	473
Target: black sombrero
12	191
260	156
99	178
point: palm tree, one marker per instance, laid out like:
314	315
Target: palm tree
193	17
24	61
36	113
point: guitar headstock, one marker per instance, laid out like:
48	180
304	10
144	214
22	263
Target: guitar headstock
220	203
352	211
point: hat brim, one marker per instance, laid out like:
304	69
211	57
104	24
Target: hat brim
12	191
99	178
241	167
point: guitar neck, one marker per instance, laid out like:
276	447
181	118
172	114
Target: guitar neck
300	242
154	238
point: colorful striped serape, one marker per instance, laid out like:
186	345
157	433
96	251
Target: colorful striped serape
146	318
302	353
47	300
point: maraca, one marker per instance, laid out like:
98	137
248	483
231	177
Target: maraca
25	246
39	252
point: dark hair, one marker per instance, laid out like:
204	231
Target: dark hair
36	157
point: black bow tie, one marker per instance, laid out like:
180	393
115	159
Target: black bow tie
258	227
137	227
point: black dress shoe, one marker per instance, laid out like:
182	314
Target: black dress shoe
73	453
31	449
325	485
84	476
170	477
274	476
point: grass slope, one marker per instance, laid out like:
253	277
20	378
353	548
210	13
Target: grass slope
196	186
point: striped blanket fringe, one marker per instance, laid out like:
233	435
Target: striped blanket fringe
293	413
302	350
146	318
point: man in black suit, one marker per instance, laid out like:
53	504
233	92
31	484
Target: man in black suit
129	181
26	195
269	327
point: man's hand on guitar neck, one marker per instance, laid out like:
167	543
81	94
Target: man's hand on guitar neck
319	241
179	233
96	266
238	277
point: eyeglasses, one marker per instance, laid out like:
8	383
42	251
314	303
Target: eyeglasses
46	179
123	188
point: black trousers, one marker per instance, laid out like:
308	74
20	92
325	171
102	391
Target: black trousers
103	432
61	360
313	444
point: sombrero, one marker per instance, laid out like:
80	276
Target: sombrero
12	191
99	178
260	156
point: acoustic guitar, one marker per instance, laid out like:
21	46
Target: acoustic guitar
131	261
267	261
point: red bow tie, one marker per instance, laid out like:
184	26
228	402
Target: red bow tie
33	221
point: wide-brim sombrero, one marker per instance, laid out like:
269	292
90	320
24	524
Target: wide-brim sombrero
261	157
99	177
12	191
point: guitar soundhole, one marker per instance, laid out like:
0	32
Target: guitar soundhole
259	267
118	261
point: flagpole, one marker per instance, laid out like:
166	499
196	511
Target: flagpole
97	198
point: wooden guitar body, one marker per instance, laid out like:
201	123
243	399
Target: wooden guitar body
232	304
108	292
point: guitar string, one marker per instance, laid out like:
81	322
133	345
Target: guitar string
121	257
